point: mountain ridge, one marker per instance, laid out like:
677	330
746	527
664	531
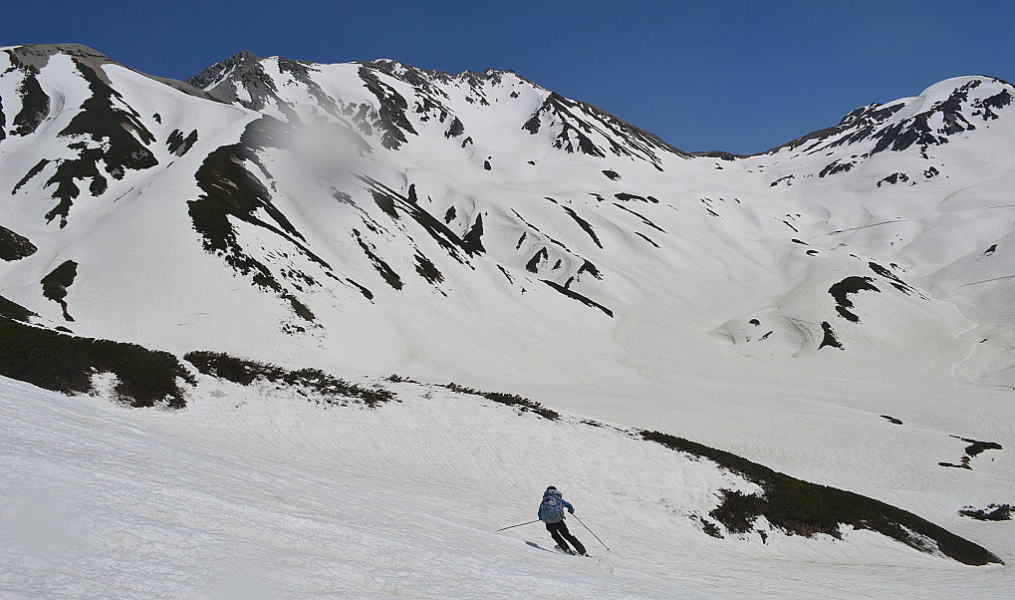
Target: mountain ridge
364	219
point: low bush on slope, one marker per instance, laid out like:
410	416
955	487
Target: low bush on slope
803	508
522	403
65	363
992	512
13	246
245	372
13	310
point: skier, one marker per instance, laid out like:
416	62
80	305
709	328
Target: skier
551	512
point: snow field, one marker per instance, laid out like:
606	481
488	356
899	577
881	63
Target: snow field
249	493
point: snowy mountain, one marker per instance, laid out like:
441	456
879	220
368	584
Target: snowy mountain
768	317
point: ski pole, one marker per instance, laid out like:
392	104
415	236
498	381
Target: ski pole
519	525
592	532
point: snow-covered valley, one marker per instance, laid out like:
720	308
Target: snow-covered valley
836	309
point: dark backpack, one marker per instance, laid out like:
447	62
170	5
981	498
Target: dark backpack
551	509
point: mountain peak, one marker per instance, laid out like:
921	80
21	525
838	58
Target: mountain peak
244	60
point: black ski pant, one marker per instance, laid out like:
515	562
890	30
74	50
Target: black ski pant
560	533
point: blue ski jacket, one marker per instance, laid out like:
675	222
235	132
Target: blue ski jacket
551	509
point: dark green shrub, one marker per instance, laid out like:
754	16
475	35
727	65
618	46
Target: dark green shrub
993	512
521	402
13	310
66	363
803	508
738	511
14	246
245	372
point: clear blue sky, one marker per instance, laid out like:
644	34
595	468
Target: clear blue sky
738	76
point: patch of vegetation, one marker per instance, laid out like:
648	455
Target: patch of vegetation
576	296
802	508
506	274
585	225
894	178
533	265
992	512
385	202
643	218
455	129
68	172
391	113
829	339
472	241
589	268
523	404
841	291
612	175
836	167
625	197
230	190
396	378
366	293
387	273
892	420
107	118
439	231
427	270
738	511
34	102
708	527
558	109
14	246
179	145
54	285
246	372
646	238
39	166
976	446
13	310
65	363
897	283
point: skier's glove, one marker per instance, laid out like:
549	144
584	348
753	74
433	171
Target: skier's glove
570	510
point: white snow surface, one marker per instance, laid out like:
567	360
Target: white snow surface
257	493
246	494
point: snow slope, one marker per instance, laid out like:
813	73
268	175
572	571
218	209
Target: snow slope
246	494
371	218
